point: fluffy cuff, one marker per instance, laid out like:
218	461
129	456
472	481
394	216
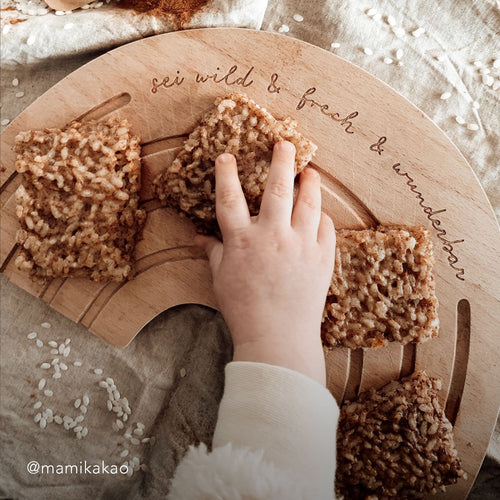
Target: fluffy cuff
232	474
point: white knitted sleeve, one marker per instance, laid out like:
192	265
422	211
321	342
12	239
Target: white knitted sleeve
275	438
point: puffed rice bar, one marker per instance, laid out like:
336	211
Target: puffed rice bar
78	200
235	125
396	443
382	289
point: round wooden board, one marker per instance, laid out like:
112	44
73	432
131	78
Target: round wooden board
381	160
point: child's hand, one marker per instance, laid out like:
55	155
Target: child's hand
272	272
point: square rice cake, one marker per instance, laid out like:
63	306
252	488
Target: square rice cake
78	200
382	288
396	443
235	125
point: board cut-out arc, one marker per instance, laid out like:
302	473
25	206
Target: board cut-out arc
361	188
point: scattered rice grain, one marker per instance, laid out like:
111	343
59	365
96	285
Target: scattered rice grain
58	420
37	405
445	96
45	366
15	82
368	51
473	126
98	371
418	32
32	335
124	453
43	423
335	45
85	431
391	20
77	363
371	12
41	384
283	29
388	60
37	417
77	403
45	325
52	343
63	366
399	54
54	351
19	94
39	343
57	375
298	18
48	393
85	400
134	441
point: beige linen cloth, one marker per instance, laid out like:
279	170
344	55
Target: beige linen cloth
172	373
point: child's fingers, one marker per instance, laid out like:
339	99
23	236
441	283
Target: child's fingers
277	202
213	249
230	204
307	211
326	234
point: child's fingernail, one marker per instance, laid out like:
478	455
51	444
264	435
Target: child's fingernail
225	158
313	173
285	146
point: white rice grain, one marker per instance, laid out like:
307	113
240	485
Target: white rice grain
98	371
418	32
371	12
445	95
39	343
63	366
134	441
391	20
58	420
79	418
41	384
124	453
85	400
45	325
37	405
473	126
43	423
15	82
388	60
85	431
77	403
298	18
5	121
45	366
37	418
335	45
32	335
284	29
56	375
48	393
19	94
368	51
54	351
77	363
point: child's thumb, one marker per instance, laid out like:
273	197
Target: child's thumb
213	249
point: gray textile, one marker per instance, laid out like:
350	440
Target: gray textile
182	410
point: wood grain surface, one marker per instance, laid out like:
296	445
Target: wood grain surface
381	161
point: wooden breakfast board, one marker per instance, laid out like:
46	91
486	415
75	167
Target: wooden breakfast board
381	161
